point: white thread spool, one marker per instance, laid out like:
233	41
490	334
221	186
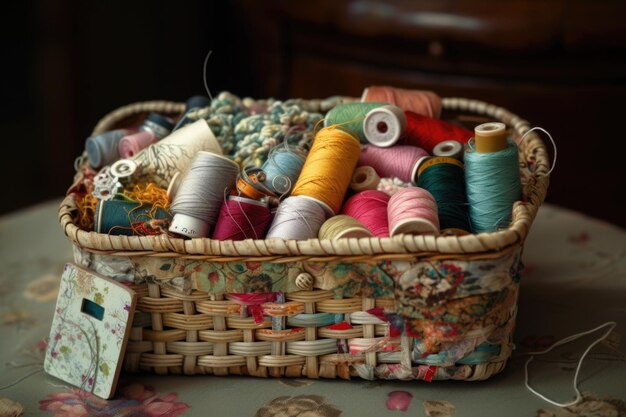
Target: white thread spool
200	194
364	178
175	153
449	148
298	218
384	125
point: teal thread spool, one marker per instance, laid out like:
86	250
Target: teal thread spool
444	178
493	185
116	217
351	117
282	168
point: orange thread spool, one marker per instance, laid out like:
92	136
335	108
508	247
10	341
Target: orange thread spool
423	102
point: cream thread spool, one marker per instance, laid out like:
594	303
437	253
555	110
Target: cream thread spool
384	125
175	153
364	178
449	148
343	225
490	137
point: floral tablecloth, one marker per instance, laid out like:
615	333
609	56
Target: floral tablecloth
574	280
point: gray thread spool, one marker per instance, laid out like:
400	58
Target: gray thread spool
200	195
102	149
297	218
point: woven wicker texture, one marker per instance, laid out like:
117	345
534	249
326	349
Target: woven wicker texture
181	330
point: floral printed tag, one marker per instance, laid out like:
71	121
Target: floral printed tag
89	330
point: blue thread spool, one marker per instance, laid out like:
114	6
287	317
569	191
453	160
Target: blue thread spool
116	217
282	168
159	125
492	178
102	149
192	105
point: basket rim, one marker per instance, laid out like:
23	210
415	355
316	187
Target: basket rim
352	249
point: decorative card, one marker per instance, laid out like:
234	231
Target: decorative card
89	331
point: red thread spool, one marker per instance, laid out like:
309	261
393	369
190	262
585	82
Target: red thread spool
242	218
370	208
419	101
426	132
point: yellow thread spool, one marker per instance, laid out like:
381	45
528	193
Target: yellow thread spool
490	137
328	168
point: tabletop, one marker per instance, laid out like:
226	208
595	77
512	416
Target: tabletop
574	280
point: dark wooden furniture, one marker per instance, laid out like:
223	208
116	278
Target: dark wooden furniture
559	64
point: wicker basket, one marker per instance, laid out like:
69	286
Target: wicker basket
407	307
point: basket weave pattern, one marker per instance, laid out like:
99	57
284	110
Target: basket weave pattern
183	326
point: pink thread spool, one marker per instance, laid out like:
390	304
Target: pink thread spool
401	161
130	145
413	210
242	218
370	208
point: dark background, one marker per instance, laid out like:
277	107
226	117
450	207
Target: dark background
559	64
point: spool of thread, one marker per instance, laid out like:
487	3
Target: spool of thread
192	105
123	170
201	192
154	128
130	145
119	217
400	161
444	178
384	125
328	168
370	208
350	117
102	149
282	169
298	218
493	185
242	218
449	148
426	103
426	132
490	137
343	225
364	178
160	161
160	126
251	183
412	210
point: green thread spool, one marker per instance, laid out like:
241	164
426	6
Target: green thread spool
116	217
444	178
350	117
